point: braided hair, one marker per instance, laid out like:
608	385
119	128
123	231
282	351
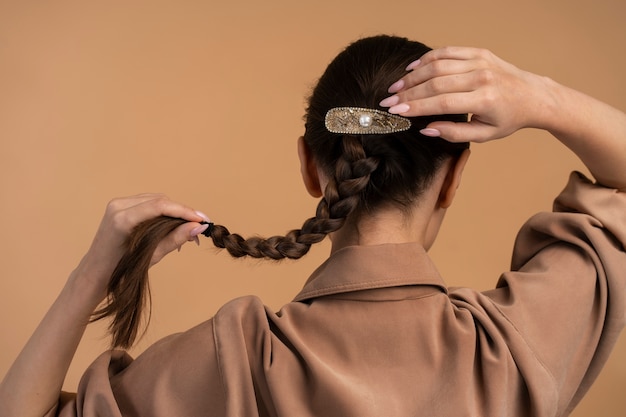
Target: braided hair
364	172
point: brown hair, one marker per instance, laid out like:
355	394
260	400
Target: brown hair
364	172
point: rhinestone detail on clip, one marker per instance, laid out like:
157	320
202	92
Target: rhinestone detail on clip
361	121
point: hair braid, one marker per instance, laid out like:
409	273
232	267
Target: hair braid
342	196
129	291
364	172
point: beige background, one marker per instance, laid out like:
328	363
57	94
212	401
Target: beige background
203	100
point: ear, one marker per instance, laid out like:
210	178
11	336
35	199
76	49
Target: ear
453	180
308	168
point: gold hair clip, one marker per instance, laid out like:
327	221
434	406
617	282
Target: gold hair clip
360	121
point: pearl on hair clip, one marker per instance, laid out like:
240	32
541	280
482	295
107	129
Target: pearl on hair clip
365	120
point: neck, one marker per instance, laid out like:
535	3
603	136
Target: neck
419	224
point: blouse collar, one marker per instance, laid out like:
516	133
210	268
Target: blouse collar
360	268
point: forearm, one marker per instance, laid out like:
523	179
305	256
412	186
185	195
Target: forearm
593	130
34	381
33	384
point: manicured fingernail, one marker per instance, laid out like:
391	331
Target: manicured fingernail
413	65
196	231
400	108
197	240
204	216
390	101
179	248
395	87
434	133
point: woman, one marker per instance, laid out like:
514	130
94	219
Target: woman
374	331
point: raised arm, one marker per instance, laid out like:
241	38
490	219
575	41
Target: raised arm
33	383
503	99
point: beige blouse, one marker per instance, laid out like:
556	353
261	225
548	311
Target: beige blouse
376	332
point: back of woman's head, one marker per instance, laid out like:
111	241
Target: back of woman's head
403	163
364	171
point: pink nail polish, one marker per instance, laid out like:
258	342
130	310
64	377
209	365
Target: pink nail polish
413	65
390	101
196	231
433	133
204	216
395	87
400	108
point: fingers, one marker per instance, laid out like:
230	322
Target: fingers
460	132
449	94
432	70
477	101
125	213
441	73
454	83
121	217
441	62
187	232
455	80
456	52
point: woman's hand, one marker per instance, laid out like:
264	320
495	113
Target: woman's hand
32	385
122	215
502	99
499	97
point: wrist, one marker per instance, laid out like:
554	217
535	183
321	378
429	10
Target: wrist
546	111
87	286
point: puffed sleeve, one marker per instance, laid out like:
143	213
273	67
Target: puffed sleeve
177	376
565	297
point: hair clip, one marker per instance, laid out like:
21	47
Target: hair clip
360	121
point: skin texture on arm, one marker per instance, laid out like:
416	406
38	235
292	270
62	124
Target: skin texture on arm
503	99
32	385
